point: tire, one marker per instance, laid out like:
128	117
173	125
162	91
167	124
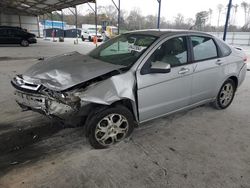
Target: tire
105	128
24	43
90	39
225	95
83	39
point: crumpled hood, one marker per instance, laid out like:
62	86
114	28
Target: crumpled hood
65	71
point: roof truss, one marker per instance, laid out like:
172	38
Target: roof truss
37	7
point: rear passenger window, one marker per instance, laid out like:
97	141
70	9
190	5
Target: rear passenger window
203	48
14	32
3	32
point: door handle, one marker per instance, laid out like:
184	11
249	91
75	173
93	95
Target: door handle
183	71
218	62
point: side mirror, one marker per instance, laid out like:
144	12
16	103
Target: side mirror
160	67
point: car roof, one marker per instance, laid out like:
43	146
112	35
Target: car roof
160	32
14	27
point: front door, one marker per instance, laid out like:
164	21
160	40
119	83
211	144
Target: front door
162	93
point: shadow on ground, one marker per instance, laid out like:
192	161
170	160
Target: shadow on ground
16	135
52	143
49	137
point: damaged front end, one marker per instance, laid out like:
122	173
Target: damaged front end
36	97
77	101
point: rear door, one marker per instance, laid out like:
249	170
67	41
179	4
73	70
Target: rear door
207	74
162	93
15	36
3	36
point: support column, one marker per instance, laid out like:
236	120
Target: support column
38	26
96	22
20	22
53	32
52	21
44	28
119	15
62	22
159	15
227	19
76	25
118	7
95	11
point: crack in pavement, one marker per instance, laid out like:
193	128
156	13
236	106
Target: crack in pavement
148	155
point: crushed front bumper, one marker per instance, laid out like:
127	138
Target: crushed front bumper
43	104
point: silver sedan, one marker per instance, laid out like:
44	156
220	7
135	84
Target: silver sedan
133	78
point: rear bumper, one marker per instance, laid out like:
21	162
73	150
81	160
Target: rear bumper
242	74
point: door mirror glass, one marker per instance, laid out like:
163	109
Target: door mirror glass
160	67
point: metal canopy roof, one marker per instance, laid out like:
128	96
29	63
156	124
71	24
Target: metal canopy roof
37	7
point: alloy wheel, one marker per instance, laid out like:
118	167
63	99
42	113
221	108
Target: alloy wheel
226	94
111	129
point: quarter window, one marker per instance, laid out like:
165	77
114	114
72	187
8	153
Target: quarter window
203	48
173	52
224	48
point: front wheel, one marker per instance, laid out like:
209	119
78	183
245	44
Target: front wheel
110	126
24	43
225	95
90	39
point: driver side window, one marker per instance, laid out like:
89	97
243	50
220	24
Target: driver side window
173	52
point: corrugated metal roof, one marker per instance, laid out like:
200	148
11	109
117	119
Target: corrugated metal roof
37	7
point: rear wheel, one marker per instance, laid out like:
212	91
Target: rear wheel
225	95
110	126
83	39
24	43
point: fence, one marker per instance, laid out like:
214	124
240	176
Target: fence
235	38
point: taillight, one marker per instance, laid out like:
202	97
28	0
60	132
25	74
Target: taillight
245	59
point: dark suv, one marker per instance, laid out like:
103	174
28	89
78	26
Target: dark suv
16	35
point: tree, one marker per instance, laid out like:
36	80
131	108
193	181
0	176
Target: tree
135	19
219	7
201	19
210	15
190	22
245	7
111	13
235	7
150	22
179	21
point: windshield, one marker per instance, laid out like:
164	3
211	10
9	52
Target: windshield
115	30
123	50
91	30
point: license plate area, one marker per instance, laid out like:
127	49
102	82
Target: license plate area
30	100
